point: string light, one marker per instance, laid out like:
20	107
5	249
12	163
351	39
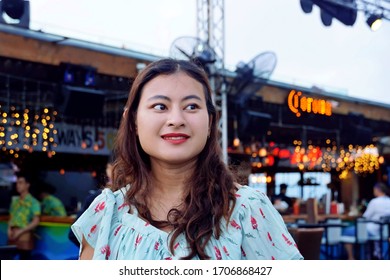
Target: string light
23	129
359	159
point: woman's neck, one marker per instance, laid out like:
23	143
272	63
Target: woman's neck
170	180
168	188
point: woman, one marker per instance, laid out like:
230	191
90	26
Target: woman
180	199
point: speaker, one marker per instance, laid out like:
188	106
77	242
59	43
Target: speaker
78	102
15	12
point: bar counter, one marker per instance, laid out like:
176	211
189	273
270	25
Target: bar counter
52	242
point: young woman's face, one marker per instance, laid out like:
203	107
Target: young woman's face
172	119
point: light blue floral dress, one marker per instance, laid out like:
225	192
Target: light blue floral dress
255	231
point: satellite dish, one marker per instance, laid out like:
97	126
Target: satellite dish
194	49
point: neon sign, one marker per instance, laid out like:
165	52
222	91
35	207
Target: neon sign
298	104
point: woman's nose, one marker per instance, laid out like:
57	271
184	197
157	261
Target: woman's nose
176	117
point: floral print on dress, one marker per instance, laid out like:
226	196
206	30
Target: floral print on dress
234	224
100	207
92	230
255	230
106	251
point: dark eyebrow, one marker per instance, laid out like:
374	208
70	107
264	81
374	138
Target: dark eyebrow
192	97
160	97
168	99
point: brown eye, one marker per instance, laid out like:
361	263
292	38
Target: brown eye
159	107
192	107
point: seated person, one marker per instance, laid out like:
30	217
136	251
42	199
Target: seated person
281	201
378	207
50	205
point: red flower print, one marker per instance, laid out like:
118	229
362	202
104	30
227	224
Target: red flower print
273	258
217	253
138	240
243	252
270	238
100	206
156	245
117	230
146	224
92	230
176	245
168	258
235	225
243	205
226	251
122	206
237	195
287	240
106	250
253	222
261	212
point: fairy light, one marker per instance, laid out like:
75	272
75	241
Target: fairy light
23	129
359	159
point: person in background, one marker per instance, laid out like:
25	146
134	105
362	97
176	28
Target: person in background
24	217
281	201
50	205
378	207
172	196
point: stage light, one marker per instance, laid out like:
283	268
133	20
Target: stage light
374	22
15	12
345	12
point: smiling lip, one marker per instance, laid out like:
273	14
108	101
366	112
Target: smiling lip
175	138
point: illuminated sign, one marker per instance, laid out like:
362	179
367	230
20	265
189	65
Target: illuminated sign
299	104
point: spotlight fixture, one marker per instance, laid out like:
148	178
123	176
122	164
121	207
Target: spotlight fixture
15	12
374	21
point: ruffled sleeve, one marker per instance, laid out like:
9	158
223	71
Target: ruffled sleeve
95	224
265	235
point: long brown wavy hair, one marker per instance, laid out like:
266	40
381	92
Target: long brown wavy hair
210	195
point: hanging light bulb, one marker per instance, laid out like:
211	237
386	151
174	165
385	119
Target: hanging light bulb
236	142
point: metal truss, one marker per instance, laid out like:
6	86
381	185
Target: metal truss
211	29
369	7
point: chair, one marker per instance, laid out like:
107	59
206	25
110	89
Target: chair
378	240
360	239
332	238
308	241
386	221
312	211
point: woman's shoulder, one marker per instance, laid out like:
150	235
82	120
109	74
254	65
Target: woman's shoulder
250	199
117	195
245	192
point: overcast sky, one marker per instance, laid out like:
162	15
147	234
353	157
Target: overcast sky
343	59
